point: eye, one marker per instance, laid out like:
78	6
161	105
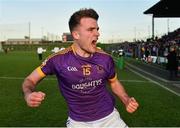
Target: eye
90	29
93	29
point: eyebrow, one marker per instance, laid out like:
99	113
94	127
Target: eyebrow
91	28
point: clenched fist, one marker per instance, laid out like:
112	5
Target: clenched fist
34	99
131	105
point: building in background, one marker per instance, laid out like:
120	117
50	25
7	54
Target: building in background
67	37
23	41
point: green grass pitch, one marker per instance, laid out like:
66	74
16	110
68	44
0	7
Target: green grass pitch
158	107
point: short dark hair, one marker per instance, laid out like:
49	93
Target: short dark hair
78	15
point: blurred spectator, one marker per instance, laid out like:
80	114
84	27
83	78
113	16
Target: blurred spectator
40	51
55	49
6	50
172	64
147	53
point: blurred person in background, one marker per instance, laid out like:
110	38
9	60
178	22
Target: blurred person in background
40	51
172	64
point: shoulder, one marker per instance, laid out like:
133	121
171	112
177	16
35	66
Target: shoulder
100	51
56	57
103	54
60	53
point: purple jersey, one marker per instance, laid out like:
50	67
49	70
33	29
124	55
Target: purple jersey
82	82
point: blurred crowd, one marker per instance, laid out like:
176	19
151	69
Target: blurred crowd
156	50
164	51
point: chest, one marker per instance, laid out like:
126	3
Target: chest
75	71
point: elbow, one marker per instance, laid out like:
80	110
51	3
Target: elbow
31	80
28	83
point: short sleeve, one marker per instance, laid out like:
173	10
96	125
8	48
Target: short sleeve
47	67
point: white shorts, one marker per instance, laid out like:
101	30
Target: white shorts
113	120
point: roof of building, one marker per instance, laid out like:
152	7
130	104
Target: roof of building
164	8
21	39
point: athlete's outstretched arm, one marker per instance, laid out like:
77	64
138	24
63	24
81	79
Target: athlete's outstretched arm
130	103
32	98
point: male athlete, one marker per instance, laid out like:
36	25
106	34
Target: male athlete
83	71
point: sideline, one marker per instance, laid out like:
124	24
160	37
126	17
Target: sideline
20	78
54	79
149	79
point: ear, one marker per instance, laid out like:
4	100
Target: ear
75	34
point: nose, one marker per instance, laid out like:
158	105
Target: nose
97	33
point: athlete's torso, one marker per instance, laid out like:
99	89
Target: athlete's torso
82	82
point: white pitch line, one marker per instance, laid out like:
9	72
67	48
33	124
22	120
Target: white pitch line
157	83
153	75
11	78
22	78
136	81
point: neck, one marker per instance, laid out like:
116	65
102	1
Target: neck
80	51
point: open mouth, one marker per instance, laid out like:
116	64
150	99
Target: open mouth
94	42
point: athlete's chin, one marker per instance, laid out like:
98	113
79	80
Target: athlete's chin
93	50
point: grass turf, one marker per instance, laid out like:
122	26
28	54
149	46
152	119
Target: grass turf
158	107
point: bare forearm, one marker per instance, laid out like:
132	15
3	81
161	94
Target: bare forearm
28	87
32	98
130	102
120	92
